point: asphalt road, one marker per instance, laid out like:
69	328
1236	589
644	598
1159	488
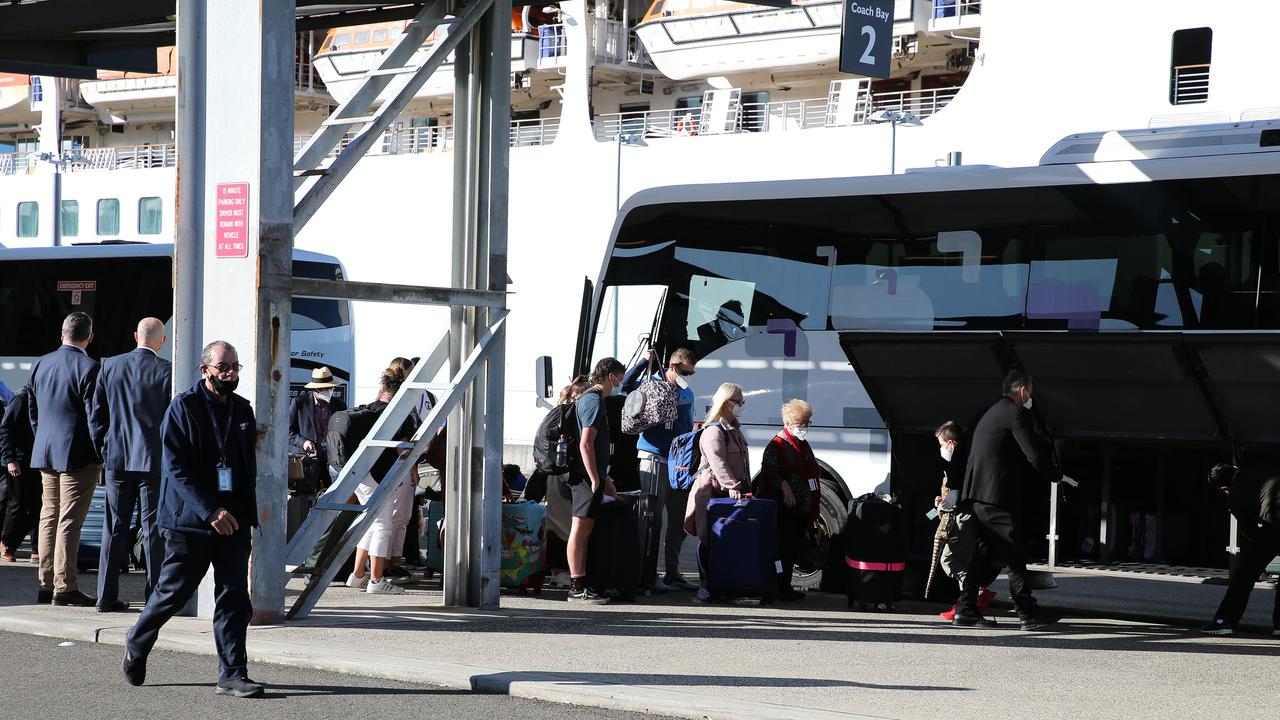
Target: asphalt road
82	680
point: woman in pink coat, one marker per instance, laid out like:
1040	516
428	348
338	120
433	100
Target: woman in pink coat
725	470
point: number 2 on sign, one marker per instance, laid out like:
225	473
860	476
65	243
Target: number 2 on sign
867	57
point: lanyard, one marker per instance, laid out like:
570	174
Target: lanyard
221	438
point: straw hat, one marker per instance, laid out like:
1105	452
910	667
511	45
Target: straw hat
321	378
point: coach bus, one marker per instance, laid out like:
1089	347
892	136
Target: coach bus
118	284
1142	294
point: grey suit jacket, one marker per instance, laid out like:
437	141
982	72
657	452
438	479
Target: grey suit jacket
62	387
128	407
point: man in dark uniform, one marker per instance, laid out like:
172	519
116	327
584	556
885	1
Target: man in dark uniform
129	404
22	510
1006	455
1254	497
207	505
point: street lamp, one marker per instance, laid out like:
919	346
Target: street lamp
634	140
60	161
894	118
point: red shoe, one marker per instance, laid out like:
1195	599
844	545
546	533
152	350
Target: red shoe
985	597
948	615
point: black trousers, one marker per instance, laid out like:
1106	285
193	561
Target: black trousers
124	488
1000	542
1255	555
791	539
20	509
187	558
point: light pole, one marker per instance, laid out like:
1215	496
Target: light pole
634	140
894	118
59	161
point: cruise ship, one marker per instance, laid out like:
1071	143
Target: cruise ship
613	98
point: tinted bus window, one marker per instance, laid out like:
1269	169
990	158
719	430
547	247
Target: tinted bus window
149	216
109	217
313	313
35	295
70	220
28	219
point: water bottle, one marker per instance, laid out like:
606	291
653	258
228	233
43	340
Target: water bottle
562	452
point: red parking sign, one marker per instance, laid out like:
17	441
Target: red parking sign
232	207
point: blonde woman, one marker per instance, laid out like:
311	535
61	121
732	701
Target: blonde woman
725	470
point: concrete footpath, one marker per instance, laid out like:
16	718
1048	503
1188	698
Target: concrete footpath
814	659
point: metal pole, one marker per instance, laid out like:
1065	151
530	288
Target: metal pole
1053	525
1104	519
57	202
893	147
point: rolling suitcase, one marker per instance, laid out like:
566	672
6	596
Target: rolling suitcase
743	552
875	553
649	515
432	516
613	550
524	546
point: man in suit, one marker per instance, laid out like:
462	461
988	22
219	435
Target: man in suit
309	414
22	509
62	389
129	403
1006	457
1253	494
208	504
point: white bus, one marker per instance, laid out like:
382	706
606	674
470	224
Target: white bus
1143	296
118	284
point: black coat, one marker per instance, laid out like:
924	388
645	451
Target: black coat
16	437
302	419
1006	457
1255	495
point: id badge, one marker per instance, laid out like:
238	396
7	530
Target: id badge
813	484
224	479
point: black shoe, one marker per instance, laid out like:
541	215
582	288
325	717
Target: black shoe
1040	619
115	606
790	595
44	597
239	687
134	669
397	575
969	621
73	598
1218	627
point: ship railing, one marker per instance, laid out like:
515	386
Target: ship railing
553	45
954	8
776	116
1190	84
612	44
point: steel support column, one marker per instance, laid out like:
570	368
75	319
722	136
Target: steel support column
236	63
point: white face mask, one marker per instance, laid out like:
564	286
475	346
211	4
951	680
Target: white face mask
946	452
1027	404
325	394
800	432
681	382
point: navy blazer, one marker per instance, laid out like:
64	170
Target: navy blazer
62	387
16	437
128	406
189	485
1006	455
302	419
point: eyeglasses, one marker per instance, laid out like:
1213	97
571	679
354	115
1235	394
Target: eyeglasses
681	371
225	367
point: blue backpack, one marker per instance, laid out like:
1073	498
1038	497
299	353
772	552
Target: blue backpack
684	458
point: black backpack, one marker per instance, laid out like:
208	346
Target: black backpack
347	428
562	420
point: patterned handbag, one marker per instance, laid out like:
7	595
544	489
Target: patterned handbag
653	403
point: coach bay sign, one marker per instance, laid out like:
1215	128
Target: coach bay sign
866	33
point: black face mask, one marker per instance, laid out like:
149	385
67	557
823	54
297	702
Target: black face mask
223	387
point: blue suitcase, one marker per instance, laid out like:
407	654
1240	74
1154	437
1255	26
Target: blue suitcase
743	556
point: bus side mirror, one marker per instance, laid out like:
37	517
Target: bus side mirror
542	380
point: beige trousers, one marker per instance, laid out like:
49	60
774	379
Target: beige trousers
64	505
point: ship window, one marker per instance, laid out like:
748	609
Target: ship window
109	216
70	220
341	41
149	215
1189	66
755	108
28	219
380	35
362	37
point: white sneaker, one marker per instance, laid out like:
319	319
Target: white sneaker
384	587
358	582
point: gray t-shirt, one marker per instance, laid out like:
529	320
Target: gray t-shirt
591	413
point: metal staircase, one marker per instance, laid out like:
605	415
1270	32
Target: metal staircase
332	505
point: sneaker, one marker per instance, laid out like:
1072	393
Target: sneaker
985	596
972	621
357	581
239	687
679	583
397	575
1220	627
384	587
703	596
588	596
948	615
659	586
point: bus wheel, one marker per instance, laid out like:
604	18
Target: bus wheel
831	518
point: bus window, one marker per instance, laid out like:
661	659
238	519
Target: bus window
70	218
149	215
719	311
35	296
28	219
315	313
109	216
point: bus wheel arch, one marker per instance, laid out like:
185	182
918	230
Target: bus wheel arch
834	509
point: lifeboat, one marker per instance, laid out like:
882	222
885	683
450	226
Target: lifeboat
15	102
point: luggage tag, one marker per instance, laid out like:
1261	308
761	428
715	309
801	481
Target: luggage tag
777	564
932	514
224	479
813	484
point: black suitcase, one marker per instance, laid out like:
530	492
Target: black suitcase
613	550
648	517
875	553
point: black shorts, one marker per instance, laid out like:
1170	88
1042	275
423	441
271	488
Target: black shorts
585	502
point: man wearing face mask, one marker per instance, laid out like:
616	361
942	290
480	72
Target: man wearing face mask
208	502
1006	458
653	447
309	414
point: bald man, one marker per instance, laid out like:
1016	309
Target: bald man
129	403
